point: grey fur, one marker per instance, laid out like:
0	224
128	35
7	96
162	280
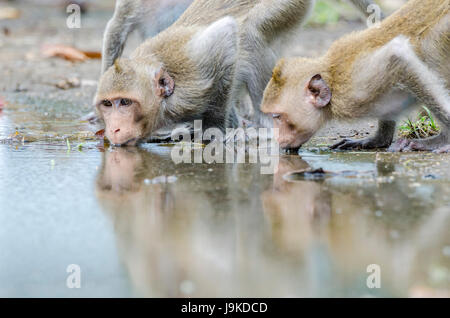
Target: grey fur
145	16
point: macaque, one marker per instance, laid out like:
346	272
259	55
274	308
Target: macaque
149	17
199	68
369	74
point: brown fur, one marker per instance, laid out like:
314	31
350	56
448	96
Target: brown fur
415	20
425	24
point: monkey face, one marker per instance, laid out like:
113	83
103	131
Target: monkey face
129	99
118	173
296	99
122	118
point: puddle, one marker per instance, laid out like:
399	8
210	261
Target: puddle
139	225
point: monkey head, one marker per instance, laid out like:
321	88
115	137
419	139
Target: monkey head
173	78
129	97
297	96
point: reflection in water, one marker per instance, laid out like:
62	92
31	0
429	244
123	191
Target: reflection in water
226	230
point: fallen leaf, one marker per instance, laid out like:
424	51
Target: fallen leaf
100	133
9	13
69	53
93	54
65	52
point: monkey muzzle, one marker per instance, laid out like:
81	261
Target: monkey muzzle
289	137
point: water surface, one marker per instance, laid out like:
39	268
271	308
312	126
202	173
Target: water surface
139	225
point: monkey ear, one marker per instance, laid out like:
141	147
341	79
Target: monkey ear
319	91
164	83
216	45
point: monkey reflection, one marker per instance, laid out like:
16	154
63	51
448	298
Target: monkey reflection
297	211
169	235
118	172
209	235
351	229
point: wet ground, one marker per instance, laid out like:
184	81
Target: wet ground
137	224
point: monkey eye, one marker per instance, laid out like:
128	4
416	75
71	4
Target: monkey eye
126	102
106	103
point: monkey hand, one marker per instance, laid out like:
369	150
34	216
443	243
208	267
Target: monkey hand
367	143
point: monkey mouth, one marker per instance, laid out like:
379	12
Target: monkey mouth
130	143
289	138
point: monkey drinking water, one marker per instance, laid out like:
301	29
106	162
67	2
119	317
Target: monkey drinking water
198	68
362	74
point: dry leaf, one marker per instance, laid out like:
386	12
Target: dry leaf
69	53
100	133
9	13
93	54
65	52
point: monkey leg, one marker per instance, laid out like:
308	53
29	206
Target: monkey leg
428	87
116	33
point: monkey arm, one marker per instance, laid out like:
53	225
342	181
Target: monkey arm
384	134
382	139
114	42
